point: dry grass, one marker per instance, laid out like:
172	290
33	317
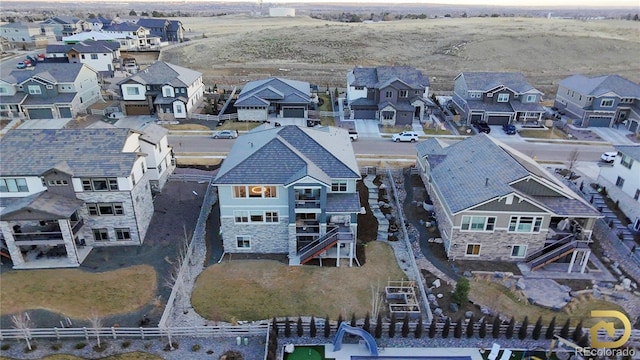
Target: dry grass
58	290
238	125
192	161
261	289
191	127
552	133
137	355
508	302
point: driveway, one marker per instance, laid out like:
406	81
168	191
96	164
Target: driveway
367	128
613	135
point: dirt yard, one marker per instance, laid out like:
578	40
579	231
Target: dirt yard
238	48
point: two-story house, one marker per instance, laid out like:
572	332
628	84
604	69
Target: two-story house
622	180
64	192
90	36
167	30
49	91
290	190
170	91
66	25
496	98
98	22
132	36
492	202
393	95
603	101
27	35
262	100
102	56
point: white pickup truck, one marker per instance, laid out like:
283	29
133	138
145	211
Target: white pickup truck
353	135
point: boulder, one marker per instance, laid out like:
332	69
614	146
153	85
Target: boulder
468	314
485	311
618	287
436	283
467	274
453	307
565	288
520	284
437	312
431	297
439	296
498	275
626	284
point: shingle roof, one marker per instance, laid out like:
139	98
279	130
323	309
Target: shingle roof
61	98
160	73
343	202
86	152
381	75
55	205
484	81
279	89
148	23
85	47
53	73
286	154
601	85
90	35
630	150
125	26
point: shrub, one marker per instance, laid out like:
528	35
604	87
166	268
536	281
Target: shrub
287	327
5	347
457	330
126	344
299	328
80	345
564	332
274	321
577	333
195	347
461	293
378	332
392	326
483	329
432	329
101	348
405	326
56	346
510	327
353	320
551	329
470	328
327	327
537	329
340	321
33	348
495	331
313	331
232	355
445	329
524	328
418	331
367	323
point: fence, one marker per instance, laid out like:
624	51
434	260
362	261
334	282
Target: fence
205	117
190	177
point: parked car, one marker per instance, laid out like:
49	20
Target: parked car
609	156
482	127
353	135
405	136
21	65
509	129
225	134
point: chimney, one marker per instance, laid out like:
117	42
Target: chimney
486	182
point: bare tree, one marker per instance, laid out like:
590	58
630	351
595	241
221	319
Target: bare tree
376	300
22	322
180	275
96	324
573	157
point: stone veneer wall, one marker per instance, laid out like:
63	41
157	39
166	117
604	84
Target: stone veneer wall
444	224
265	238
494	245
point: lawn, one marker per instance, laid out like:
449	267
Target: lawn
239	125
76	293
543	134
262	289
504	301
187	127
435	131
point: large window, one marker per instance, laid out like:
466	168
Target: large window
13	185
243	242
133	91
503	97
94	56
100	234
255	216
100	184
271	216
525	224
473	250
626	160
34	89
403	93
518	251
606	103
123	234
254	191
530	98
620	182
105	209
339	186
478	223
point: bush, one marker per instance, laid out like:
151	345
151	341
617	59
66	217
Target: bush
392	326
101	348
367	323
378	331
327	327
274	321
171	346
232	355
80	345
457	330
126	344
287	327
353	320
405	326
577	333
537	329
446	328
483	329
313	331
495	331
432	329
470	329
418	331
56	346
195	348
5	347
34	347
522	332
510	327
461	294
551	329
299	328
564	332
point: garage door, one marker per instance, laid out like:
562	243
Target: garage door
364	114
476	117
498	119
40	114
137	110
65	112
293	112
600	121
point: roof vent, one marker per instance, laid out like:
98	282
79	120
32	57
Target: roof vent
486	182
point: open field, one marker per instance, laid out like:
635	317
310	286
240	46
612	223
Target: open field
238	48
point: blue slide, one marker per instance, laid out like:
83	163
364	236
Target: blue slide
344	328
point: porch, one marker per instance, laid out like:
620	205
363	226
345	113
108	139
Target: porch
48	256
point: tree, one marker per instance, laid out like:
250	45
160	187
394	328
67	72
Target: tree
353	320
327	327
300	329
287	327
432	329
461	294
144	13
510	327
312	327
378	331
564	332
367	323
336	93
537	329
577	332
483	329
22	322
96	323
392	326
446	328
522	332
133	13
551	329
274	323
340	321
573	157
470	328
418	331
584	340
405	326
457	330
495	331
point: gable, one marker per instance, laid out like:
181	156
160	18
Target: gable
532	187
517	205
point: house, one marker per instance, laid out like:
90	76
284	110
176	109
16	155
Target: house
66	25
622	180
167	30
65	191
88	36
270	98
602	101
27	35
290	190
98	22
170	91
497	98
102	56
49	91
393	95
492	202
132	37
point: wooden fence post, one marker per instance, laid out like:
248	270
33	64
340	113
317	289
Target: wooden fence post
113	332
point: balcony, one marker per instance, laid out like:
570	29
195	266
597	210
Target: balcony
308	204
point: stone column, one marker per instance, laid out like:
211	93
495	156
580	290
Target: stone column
69	243
14	250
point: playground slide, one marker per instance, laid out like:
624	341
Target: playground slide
2	253
369	340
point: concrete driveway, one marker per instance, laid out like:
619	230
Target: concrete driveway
367	128
613	135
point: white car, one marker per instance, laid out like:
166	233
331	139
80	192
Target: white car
410	136
225	134
608	157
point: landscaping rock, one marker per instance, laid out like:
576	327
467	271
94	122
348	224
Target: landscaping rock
605	259
565	288
531	301
498	275
437	312
453	307
431	298
485	311
436	283
467	274
468	314
520	284
626	284
439	296
618	287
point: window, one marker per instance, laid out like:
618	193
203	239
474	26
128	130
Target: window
339	186
13	185
82	56
100	184
254	191
178	109
518	251
241	216
388	94
94	56
606	103
239	191
626	100
271	216
102	209
133	91
123	234
243	242
478	223
626	160
359	87
525	224
403	93
144	170
58	182
619	182
637	195
530	98
473	250
387	115
256	216
100	234
503	97
34	89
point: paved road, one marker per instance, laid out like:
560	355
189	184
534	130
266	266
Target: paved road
380	146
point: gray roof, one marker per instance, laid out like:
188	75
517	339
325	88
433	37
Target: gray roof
50	72
61	98
601	85
57	206
383	75
152	133
481	168
630	150
149	23
85	47
479	105
278	89
125	26
283	155
343	202
485	81
161	73
84	152
16	98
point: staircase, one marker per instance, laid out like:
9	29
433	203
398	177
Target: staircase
324	242
555	251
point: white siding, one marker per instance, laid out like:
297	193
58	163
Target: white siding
127	96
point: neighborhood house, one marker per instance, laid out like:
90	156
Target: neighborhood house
274	98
